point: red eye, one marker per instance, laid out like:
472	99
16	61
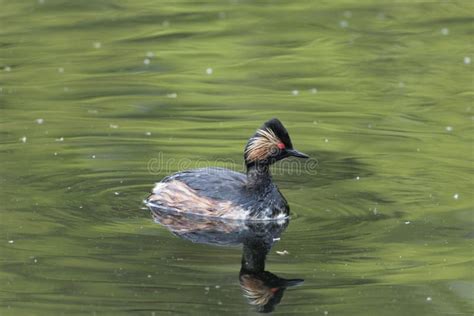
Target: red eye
281	145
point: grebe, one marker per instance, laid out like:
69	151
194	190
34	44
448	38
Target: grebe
223	193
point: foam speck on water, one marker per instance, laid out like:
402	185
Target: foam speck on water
429	299
148	133
60	139
326	140
23	139
97	45
150	54
39	121
7	68
445	31
147	61
456	196
295	92
357	178
314	91
449	128
209	71
467	60
343	23
117	193
173	95
11	241
60	70
113	126
93	156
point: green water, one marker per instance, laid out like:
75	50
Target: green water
100	99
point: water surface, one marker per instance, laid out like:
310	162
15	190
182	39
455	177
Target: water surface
100	99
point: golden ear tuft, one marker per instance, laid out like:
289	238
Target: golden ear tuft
262	145
255	291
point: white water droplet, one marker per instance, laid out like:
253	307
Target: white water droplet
467	60
55	153
456	196
117	193
60	139
449	128
407	222
11	241
113	126
429	299
445	31
97	45
93	156
343	23
147	61
326	140
150	54
7	68
60	70
314	91
295	92
149	276
173	95
23	139
209	71
357	178
148	133
39	121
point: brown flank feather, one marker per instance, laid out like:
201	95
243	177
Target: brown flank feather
180	197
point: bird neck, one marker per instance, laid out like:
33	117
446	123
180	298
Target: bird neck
258	175
255	252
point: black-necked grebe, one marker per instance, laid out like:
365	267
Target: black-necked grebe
224	193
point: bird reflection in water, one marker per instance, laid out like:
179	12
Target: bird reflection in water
262	289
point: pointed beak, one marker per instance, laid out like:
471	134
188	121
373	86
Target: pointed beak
293	282
295	153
